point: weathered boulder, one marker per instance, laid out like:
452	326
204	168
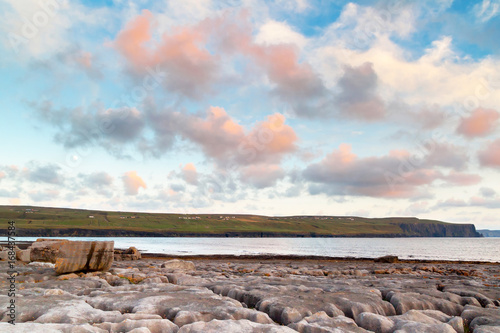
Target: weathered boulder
4	255
242	326
387	259
24	255
46	250
73	256
178	265
130	254
77	256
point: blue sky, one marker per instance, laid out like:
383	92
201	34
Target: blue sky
369	108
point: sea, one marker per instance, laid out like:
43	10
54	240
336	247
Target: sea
485	249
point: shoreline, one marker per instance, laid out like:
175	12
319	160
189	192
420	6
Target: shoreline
277	257
281	257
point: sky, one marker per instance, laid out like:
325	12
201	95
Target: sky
285	107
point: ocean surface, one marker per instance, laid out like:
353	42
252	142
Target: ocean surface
470	249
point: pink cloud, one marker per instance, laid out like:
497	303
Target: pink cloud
2	175
132	183
193	70
190	67
190	174
223	139
490	155
463	179
480	123
130	41
343	173
395	175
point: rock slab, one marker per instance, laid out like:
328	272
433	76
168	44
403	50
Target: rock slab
78	256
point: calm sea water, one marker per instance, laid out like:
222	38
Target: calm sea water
473	249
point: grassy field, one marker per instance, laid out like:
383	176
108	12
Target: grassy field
28	217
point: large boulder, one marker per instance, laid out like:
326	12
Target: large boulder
46	250
73	256
78	256
23	255
130	254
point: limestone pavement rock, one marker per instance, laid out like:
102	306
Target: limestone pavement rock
176	264
49	328
256	296
240	326
322	323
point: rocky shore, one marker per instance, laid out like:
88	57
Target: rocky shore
232	294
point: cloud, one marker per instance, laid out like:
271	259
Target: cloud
132	183
8	194
486	203
223	139
107	128
490	203
451	203
38	30
273	32
262	175
343	173
490	155
357	97
49	173
98	180
45	195
486	10
462	179
194	72
399	174
189	174
445	154
481	122
487	192
2	175
191	69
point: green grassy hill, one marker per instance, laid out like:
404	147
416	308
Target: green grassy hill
42	221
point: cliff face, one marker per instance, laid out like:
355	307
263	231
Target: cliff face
408	230
438	230
489	233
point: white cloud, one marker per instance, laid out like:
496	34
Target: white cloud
440	76
487	10
273	32
37	29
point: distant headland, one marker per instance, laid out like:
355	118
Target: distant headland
47	222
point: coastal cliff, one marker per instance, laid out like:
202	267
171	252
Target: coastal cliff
408	230
439	230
